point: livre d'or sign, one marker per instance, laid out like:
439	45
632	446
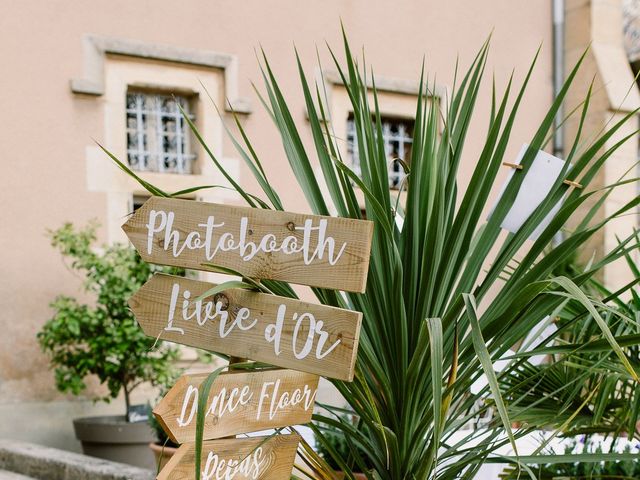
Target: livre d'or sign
313	250
281	331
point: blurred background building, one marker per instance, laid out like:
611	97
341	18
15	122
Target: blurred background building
106	70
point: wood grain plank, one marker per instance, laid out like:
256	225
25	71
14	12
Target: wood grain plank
189	234
239	402
280	331
253	458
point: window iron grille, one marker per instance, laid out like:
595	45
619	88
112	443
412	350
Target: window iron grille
397	136
158	138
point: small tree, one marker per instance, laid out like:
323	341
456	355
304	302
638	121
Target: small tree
102	338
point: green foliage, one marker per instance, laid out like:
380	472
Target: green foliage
608	398
102	338
331	441
628	469
448	293
336	441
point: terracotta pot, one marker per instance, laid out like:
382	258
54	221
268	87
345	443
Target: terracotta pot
113	438
162	454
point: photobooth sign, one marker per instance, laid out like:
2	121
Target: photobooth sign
305	339
325	252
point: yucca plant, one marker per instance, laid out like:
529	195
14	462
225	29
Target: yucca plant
448	291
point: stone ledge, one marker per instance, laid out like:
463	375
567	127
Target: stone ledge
96	48
46	463
386	84
5	475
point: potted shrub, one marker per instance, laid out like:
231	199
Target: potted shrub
102	339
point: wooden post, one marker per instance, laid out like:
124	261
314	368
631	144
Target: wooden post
306	339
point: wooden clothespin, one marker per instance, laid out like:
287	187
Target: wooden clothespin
517	166
571	183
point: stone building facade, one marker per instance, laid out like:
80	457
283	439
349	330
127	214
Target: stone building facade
106	70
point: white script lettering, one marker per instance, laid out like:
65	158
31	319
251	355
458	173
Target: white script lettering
307	332
249	466
226	401
210	239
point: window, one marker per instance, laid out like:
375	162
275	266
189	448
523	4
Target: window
158	137
397	135
138	201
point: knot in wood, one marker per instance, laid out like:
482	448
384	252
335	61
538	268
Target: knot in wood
291	226
223	300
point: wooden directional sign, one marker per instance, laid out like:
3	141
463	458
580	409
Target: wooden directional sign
326	252
239	402
280	331
254	458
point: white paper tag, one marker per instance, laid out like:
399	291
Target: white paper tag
537	183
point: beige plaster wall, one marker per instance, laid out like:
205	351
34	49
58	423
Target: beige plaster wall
597	25
52	171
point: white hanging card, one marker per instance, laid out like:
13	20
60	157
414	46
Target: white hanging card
538	180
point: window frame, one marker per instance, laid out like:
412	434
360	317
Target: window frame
123	74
